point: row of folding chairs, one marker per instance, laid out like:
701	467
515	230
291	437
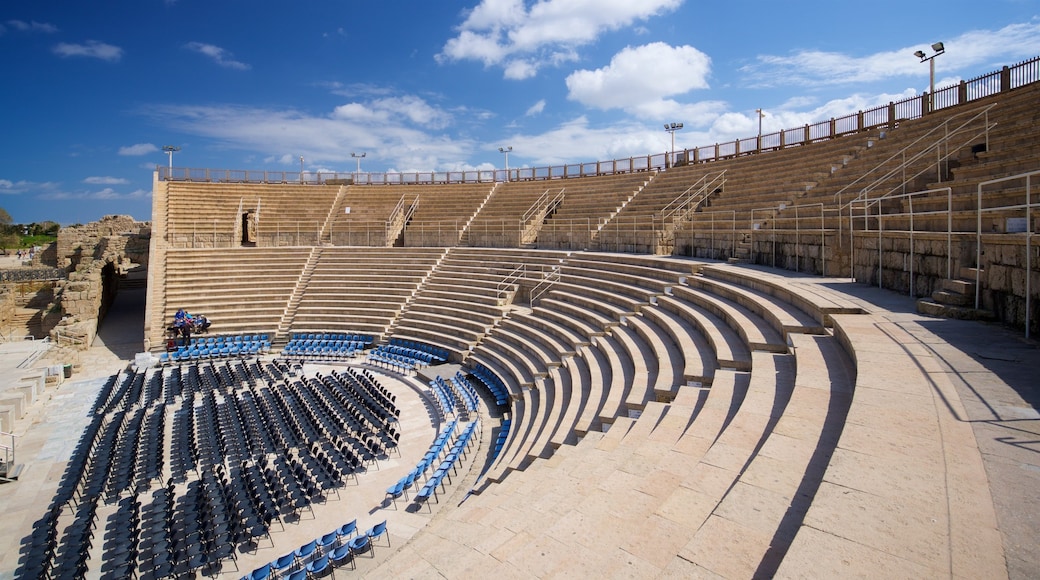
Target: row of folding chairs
455	453
437	353
216	351
351	336
321	555
492	382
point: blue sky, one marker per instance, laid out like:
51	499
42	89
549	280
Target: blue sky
91	91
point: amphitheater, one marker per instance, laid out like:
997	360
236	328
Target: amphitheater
764	358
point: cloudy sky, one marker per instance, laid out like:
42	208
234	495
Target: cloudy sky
90	92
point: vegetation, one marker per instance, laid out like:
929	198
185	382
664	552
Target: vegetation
15	236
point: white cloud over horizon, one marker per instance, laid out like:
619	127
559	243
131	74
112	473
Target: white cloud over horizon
506	33
219	55
138	149
90	49
969	49
98	180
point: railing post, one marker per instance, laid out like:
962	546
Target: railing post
891	115
831	128
962	93
1005	79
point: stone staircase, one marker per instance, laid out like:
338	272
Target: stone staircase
956	298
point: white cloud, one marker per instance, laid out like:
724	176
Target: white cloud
92	49
522	40
536	109
639	78
400	131
971	49
219	55
8	187
32	26
105	194
138	149
106	181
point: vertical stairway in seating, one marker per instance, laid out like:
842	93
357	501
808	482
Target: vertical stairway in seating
464	234
325	236
281	334
418	290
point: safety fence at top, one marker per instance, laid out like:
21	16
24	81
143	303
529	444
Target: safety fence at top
1006	79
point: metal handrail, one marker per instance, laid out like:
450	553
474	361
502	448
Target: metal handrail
902	152
545	284
1028	206
538	210
867	203
685	199
512	278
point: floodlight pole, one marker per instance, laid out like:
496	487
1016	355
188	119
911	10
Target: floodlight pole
505	151
760	114
359	158
169	151
301	168
672	128
939	48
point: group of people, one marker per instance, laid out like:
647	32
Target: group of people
184	324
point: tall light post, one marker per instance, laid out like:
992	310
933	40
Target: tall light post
760	115
359	158
939	49
672	128
505	151
169	150
301	168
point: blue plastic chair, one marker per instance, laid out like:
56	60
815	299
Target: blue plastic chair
346	531
341	555
378	530
283	563
318	567
359	544
261	573
327	542
306	551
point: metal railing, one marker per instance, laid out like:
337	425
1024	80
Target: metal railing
908	216
532	218
1006	79
1027	229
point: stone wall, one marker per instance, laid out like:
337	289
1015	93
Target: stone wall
918	270
85	251
114	238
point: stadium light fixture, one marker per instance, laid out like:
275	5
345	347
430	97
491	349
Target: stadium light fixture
505	151
672	128
760	115
939	48
359	158
170	150
301	168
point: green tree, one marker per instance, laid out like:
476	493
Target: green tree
5	218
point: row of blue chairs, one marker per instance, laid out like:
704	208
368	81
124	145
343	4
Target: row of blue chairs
322	349
207	352
457	451
354	337
500	441
429	458
465	390
319	556
228	338
437	353
492	382
445	396
395	362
